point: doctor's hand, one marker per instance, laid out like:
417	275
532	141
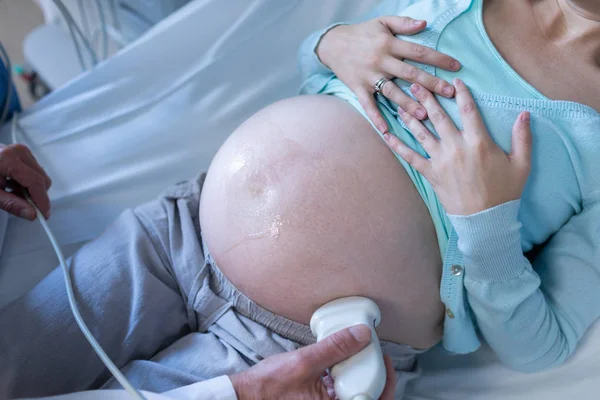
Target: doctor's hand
361	54
467	169
17	164
300	374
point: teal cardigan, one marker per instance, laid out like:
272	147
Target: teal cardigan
533	313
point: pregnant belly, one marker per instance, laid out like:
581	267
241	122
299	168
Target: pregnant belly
304	204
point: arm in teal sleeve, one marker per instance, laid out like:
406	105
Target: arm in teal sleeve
307	57
533	317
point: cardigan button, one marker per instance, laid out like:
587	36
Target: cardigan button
449	313
456	270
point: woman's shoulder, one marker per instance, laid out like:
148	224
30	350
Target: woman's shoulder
426	9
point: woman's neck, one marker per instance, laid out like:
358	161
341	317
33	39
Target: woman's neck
552	47
570	24
587	9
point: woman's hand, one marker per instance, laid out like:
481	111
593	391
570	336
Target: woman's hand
300	374
19	165
467	170
361	54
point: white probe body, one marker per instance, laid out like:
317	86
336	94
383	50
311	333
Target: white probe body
362	376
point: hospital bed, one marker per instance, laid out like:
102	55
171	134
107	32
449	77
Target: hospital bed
156	113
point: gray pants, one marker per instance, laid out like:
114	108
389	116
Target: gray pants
158	305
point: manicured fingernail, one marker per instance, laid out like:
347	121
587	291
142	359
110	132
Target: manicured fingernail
361	333
27	214
448	91
457	82
455	65
525	117
401	110
382	128
415	88
386	136
420	113
418	22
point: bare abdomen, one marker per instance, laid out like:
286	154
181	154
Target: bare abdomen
304	204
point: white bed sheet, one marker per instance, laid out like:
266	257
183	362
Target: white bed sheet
157	112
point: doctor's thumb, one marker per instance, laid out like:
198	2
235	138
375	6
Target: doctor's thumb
338	347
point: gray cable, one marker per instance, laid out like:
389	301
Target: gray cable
84	19
73	38
115	16
74	29
65	12
103	27
77	48
8	98
71	295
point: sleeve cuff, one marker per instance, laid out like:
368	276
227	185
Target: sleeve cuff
309	61
490	242
223	389
219	388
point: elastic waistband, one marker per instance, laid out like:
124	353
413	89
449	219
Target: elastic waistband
402	355
282	326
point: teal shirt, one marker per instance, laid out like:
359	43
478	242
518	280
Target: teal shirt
466	39
533	314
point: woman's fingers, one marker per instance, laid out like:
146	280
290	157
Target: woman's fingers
416	160
424	55
412	51
402	25
473	125
391	91
522	141
414	74
420	132
438	117
369	104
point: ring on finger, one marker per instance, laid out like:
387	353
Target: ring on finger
379	85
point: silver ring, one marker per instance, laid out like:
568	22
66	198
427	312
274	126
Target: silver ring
379	84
